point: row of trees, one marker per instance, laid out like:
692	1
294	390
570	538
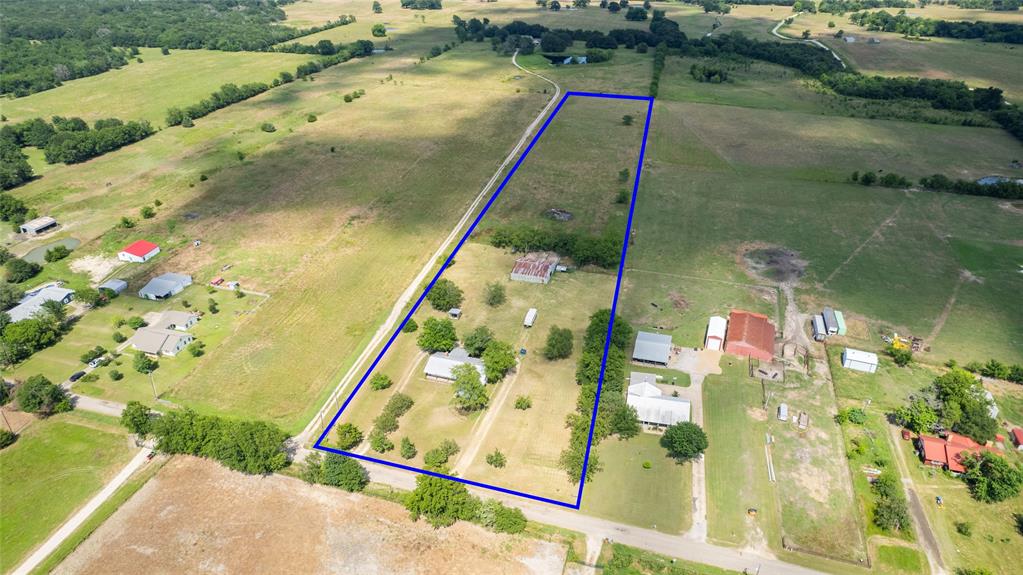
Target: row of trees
384	424
601	251
844	6
919	26
993	369
942	94
1006	189
71	140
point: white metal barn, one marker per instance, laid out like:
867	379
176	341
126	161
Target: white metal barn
859	360
440	364
652	348
716	328
530	318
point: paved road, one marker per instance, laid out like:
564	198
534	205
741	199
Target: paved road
412	291
597	530
79	518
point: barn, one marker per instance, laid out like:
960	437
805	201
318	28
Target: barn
750	335
535	267
38	226
716	328
138	252
164	286
652	348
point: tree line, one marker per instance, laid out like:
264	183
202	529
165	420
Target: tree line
843	6
71	140
1004	32
601	251
48	41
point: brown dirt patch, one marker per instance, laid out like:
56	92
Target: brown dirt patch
677	301
1014	207
198	517
773	263
98	267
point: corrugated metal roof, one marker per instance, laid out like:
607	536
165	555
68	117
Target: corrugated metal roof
652	406
652	347
440	364
32	304
860	356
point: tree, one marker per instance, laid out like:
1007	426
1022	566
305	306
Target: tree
380	381
56	253
410	326
900	355
440	501
964	405
636	14
137	418
438	457
555	42
627	120
340	471
523	402
379	31
18	270
7	438
147	212
497	459
580	3
554	5
684	441
10	296
572	459
444	295
437	335
55	310
494	295
498	360
144	364
378	442
470	393
377	9
311	469
348	436
625	422
992	478
408	449
496	516
40	396
918	416
477	341
559	343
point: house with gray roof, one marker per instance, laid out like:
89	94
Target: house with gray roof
160	341
440	364
32	303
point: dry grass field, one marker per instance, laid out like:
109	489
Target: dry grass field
176	523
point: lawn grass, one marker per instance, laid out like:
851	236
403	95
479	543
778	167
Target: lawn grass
897	560
102	513
658	498
887	389
56	465
635	561
145	91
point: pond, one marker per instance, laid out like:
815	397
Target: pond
38	255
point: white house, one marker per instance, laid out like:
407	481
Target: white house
530	318
652	406
138	252
38	226
652	348
174	319
30	304
164	286
159	341
859	360
440	364
716	328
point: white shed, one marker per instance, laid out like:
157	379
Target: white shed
530	318
716	328
859	360
38	226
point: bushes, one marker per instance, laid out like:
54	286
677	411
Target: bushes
7	438
438	457
253	447
344	472
41	396
497	459
496	516
891	512
379	31
559	343
408	449
56	253
444	295
523	402
603	251
660	54
495	294
348	436
19	270
380	382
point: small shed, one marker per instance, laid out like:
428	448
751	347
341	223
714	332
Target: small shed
455	312
38	226
859	360
820	333
783	412
530	318
716	328
652	348
115	285
840	319
830	321
804	420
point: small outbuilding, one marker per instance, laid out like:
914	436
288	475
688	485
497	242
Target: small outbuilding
38	226
535	267
820	333
652	348
716	328
864	361
783	412
840	320
164	286
1017	438
830	321
455	313
138	252
750	335
530	318
440	364
115	285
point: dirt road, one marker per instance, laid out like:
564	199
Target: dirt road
922	527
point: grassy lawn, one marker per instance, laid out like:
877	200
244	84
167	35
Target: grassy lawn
886	389
898	560
145	91
622	559
658	498
55	466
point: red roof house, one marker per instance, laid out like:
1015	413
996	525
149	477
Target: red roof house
1017	438
932	451
949	452
138	252
749	334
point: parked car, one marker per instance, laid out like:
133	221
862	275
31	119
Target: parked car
97	362
76	376
217	281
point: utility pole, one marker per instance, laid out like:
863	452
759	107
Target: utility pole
152	382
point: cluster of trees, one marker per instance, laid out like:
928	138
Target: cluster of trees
387	422
335	470
14	167
601	251
942	94
711	74
891	512
253	447
421	4
20	339
613	415
991	478
843	6
559	343
996	5
49	41
956	401
888	180
442	502
40	396
918	26
71	140
1006	189
994	369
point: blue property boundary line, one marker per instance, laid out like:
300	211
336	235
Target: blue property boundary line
610	325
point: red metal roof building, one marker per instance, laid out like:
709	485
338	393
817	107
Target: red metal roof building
749	334
138	252
949	452
1017	437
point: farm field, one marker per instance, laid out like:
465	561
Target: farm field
656	498
349	533
56	465
184	77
